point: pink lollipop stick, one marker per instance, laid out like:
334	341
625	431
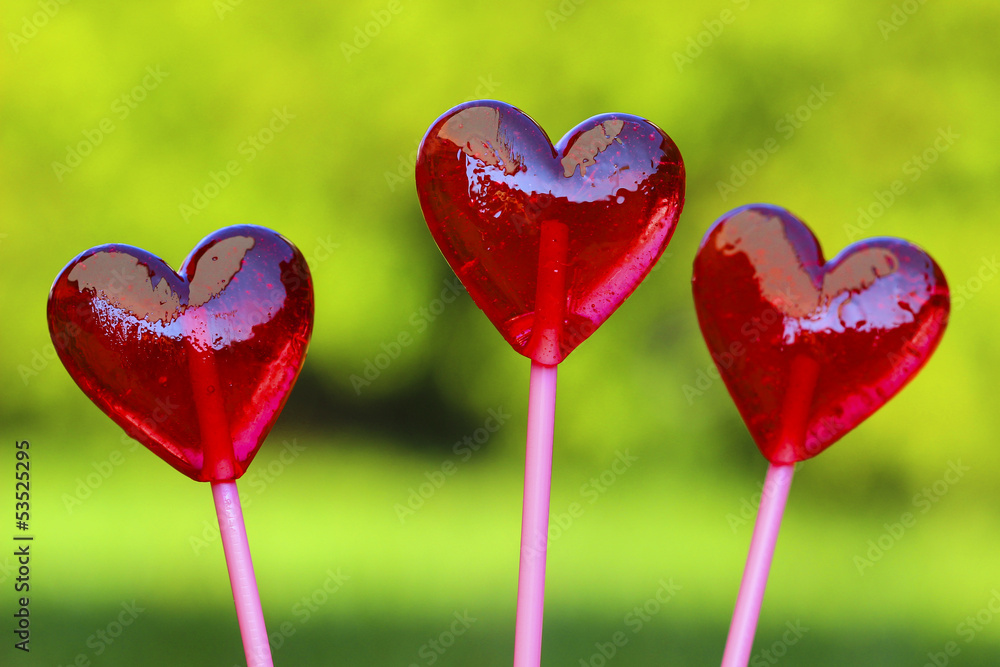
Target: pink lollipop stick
550	308
241	575
765	536
218	447
535	516
794	415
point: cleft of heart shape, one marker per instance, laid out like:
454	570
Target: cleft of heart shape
808	348
196	365
548	240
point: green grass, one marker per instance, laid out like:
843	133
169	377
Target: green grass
149	535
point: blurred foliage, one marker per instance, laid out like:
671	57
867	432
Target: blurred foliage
721	78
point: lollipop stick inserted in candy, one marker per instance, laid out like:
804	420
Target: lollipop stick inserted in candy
795	414
550	292
217	445
550	308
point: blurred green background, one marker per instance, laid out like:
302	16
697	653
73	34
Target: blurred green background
118	122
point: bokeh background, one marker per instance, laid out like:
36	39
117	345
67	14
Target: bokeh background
117	118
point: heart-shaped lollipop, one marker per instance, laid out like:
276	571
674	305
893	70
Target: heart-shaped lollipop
808	348
566	232
548	241
197	364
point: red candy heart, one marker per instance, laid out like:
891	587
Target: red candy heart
196	365
548	241
809	349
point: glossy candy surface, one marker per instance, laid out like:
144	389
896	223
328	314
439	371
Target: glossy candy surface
809	349
548	241
196	365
